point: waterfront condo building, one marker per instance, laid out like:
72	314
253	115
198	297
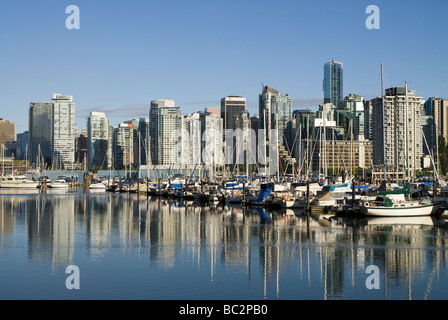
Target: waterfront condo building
64	133
402	145
165	125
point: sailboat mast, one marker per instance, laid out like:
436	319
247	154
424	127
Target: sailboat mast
384	122
406	150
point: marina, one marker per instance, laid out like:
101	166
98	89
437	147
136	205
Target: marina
133	246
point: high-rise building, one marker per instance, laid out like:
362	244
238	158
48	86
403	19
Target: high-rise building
165	123
212	139
245	140
41	133
275	112
231	106
6	131
81	148
64	135
438	109
333	82
353	117
99	149
123	145
403	140
191	140
23	146
141	140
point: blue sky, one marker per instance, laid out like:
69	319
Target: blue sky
127	53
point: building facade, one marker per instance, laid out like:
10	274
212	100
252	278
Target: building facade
212	140
64	134
191	140
41	133
123	146
275	112
333	82
231	106
6	131
99	145
165	123
402	145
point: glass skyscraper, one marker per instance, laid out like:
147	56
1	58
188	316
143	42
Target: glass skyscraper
333	82
41	133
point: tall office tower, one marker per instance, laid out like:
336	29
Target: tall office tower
123	145
231	106
275	111
333	82
212	139
98	144
191	140
6	131
403	141
41	133
64	135
165	123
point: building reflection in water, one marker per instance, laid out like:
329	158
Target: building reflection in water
327	252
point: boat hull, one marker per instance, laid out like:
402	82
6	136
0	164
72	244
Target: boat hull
19	186
405	211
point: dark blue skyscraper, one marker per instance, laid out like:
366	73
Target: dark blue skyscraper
333	82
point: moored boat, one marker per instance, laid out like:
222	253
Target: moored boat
384	206
18	181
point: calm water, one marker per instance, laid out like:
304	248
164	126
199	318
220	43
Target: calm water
129	248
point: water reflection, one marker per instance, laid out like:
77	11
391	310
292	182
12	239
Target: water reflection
280	255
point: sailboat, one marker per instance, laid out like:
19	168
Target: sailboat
395	203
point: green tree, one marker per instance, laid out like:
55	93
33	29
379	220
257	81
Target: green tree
443	155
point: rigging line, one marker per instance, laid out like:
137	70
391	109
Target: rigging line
375	85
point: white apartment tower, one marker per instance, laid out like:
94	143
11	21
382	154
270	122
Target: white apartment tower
403	140
191	140
64	133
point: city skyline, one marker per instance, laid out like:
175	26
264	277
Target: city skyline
126	55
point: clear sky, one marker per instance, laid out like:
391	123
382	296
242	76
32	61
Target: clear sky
127	53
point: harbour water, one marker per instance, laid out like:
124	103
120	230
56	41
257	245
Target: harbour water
127	246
